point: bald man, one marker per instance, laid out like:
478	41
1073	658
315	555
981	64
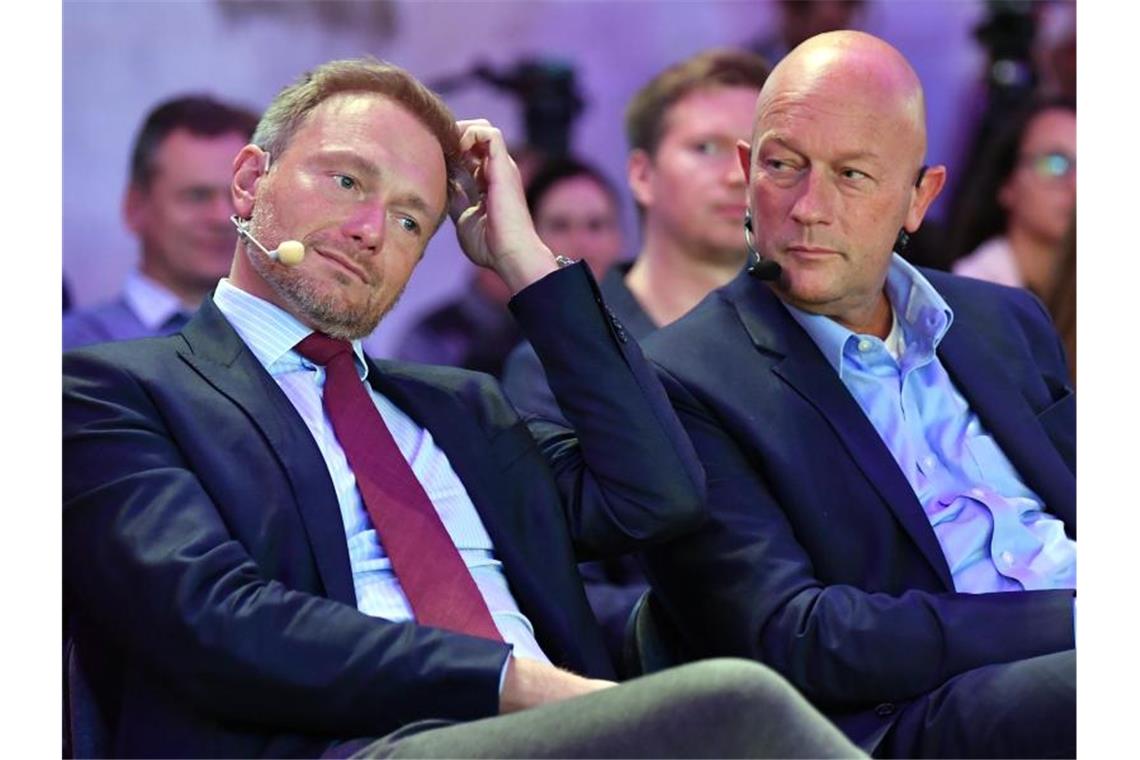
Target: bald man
890	452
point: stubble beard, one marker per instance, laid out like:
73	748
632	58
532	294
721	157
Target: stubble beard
323	311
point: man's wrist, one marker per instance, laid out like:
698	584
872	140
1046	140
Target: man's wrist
520	271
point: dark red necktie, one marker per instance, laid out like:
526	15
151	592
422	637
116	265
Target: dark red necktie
434	577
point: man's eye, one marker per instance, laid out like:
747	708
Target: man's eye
410	225
198	194
777	165
853	174
344	181
707	148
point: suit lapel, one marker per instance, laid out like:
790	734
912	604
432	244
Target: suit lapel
218	355
798	362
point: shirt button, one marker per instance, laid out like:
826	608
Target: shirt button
928	463
977	493
1007	557
864	345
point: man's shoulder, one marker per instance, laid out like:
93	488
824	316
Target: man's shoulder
110	320
982	300
130	356
701	337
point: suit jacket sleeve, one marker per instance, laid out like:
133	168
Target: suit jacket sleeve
744	585
150	559
626	469
524	382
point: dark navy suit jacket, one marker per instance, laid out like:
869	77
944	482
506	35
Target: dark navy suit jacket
613	585
817	558
205	563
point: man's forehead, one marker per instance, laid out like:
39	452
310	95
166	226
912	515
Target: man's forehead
857	115
379	134
852	75
187	157
697	110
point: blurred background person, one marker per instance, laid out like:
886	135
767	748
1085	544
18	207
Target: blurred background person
684	174
177	204
474	330
577	213
1016	209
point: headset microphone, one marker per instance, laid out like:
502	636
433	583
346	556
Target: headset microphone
289	253
760	268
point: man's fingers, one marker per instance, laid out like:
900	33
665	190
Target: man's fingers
479	137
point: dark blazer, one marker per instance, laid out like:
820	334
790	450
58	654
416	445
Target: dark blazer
613	585
205	562
817	558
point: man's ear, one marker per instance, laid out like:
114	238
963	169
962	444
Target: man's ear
744	153
250	166
639	175
928	189
135	208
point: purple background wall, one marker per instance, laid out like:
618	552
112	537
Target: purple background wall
119	58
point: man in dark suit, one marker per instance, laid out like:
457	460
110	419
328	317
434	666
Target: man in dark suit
275	546
889	453
177	203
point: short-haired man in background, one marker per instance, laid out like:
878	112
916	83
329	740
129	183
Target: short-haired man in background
178	205
682	128
890	453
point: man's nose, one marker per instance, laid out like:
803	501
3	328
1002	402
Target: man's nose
815	203
366	225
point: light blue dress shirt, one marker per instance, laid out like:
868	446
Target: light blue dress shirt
271	334
993	529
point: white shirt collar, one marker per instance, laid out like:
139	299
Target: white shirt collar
152	303
268	330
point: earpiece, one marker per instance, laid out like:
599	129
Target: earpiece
760	268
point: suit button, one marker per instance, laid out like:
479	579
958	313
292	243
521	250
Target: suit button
885	710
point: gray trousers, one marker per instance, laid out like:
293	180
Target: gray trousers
712	708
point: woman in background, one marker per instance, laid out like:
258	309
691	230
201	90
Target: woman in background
1016	210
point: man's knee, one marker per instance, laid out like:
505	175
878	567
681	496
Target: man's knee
723	684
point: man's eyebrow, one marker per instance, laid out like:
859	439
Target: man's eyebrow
851	155
357	161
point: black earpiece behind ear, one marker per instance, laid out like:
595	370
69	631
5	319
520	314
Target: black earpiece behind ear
901	241
760	268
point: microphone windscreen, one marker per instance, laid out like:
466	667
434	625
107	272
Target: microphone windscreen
765	269
290	252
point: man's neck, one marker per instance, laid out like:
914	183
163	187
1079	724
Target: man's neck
668	282
1035	258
